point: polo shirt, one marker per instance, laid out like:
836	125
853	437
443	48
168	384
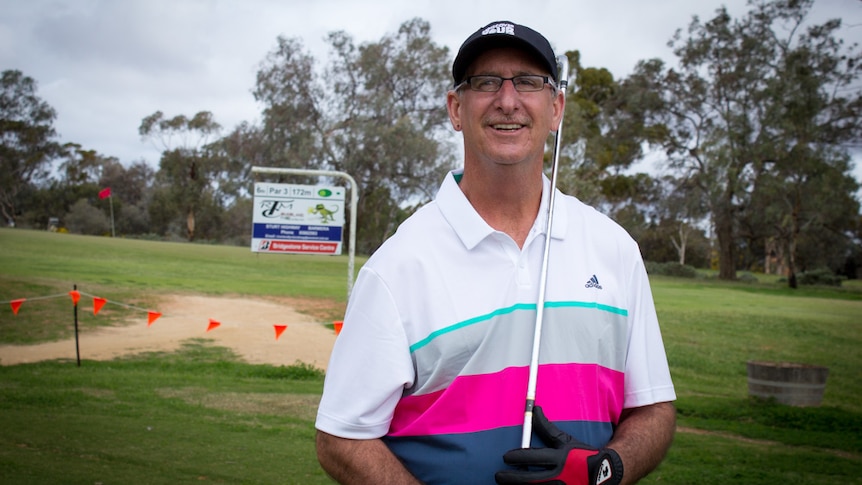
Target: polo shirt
434	353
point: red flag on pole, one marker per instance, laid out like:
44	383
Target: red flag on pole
105	193
16	304
98	303
75	296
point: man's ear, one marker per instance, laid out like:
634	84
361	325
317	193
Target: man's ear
453	105
559	108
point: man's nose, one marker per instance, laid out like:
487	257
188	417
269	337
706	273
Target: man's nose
508	96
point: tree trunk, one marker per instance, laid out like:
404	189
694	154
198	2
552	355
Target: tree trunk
791	262
683	240
8	216
792	243
190	224
726	246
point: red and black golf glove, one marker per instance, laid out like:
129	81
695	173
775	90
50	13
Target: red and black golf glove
566	462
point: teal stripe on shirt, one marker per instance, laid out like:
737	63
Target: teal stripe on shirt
472	321
519	306
586	304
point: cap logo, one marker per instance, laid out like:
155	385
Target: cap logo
500	29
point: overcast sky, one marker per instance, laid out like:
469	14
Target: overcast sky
106	64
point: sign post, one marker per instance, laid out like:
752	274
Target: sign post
303	219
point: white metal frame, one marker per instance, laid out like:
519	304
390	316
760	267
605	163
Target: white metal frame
354	200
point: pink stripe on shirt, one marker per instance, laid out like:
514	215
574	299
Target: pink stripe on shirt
489	401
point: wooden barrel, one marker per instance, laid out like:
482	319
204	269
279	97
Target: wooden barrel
789	383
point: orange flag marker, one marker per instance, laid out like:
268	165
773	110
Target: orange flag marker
98	303
213	324
16	304
338	324
76	296
152	317
279	329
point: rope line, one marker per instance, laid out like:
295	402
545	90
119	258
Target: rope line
130	307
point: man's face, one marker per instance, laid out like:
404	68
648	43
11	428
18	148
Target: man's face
506	127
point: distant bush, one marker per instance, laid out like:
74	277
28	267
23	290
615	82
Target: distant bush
133	220
821	276
747	278
671	269
299	371
83	218
145	237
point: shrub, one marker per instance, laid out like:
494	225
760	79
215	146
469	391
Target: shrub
133	220
299	371
83	218
820	276
671	269
748	278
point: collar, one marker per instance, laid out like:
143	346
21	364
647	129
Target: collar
469	225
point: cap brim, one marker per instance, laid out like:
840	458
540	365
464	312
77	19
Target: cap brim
474	49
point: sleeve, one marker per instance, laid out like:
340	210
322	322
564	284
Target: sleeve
647	376
369	367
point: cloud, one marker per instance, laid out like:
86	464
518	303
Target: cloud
125	35
106	64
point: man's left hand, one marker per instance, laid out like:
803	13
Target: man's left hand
566	462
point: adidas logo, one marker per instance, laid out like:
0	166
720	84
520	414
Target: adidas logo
593	283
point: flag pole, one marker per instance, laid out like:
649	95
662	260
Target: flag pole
75	313
111	201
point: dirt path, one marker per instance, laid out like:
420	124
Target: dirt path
246	327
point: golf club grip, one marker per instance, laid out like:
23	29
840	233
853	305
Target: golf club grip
528	424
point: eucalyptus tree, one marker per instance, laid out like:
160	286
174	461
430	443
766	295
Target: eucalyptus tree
766	87
132	187
292	94
806	210
816	117
27	140
681	212
75	184
376	111
603	137
184	181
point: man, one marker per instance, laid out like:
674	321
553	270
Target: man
427	380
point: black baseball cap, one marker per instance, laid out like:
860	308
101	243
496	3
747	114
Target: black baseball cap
503	34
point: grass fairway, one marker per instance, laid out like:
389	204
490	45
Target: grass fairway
196	416
129	264
201	416
711	329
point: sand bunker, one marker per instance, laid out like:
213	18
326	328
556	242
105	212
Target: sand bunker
246	327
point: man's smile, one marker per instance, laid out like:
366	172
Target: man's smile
507	126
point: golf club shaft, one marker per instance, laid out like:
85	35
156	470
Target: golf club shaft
563	63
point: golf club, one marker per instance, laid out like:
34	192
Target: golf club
563	63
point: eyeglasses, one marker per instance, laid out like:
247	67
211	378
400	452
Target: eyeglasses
491	84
